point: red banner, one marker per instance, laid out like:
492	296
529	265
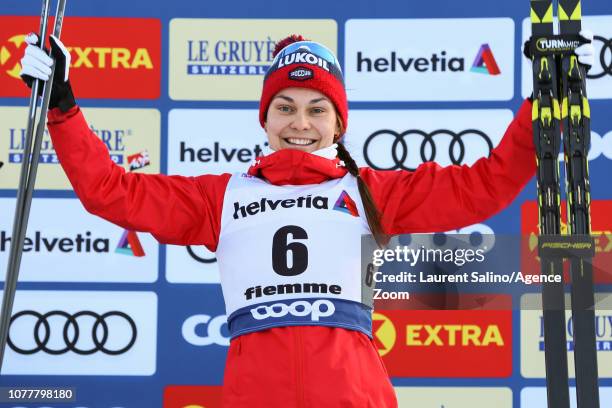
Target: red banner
601	227
110	57
445	343
192	396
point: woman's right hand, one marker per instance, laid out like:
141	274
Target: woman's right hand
36	64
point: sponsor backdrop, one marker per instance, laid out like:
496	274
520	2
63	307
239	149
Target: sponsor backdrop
132	323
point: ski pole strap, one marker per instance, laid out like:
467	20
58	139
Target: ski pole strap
555	44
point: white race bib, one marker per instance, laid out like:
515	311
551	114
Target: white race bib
290	255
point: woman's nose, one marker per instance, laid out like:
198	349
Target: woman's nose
300	121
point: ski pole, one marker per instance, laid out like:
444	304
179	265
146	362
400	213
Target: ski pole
27	178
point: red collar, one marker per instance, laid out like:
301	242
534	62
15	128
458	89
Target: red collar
290	166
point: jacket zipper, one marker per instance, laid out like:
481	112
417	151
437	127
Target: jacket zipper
299	368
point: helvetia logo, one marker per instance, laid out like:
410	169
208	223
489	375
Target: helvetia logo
129	244
436	63
265	204
218	154
346	204
40	243
485	63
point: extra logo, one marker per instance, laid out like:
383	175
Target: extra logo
75	334
384	333
426	150
301	308
438	343
120	63
10	54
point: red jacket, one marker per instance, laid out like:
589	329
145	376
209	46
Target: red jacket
298	366
408	201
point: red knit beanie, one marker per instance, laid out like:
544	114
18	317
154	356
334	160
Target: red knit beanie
304	64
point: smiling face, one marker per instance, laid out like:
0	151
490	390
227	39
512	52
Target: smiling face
302	119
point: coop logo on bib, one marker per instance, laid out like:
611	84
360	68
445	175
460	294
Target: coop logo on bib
316	310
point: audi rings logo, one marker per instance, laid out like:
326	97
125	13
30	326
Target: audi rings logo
71	332
200	257
605	58
427	150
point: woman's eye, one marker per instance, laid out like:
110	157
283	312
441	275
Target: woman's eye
318	110
284	108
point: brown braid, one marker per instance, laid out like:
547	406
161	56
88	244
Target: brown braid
372	214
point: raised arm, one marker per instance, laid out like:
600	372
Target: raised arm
175	209
434	198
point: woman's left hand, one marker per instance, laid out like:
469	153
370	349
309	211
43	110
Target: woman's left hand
586	52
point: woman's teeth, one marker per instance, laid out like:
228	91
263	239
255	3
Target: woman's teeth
301	142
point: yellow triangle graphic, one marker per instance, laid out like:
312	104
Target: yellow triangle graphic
534	17
548	17
562	14
577	14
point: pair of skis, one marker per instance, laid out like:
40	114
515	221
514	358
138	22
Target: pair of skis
560	102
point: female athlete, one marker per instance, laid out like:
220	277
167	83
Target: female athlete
287	232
